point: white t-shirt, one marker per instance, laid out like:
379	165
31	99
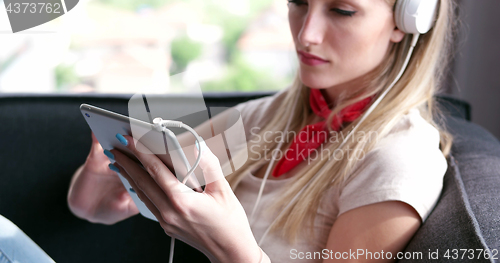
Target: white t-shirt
406	165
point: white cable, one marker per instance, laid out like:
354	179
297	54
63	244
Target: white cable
171	256
162	125
270	166
365	115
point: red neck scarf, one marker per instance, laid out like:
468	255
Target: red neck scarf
312	136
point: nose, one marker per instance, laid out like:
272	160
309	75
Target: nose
312	31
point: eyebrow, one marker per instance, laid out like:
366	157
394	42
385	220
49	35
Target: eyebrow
358	3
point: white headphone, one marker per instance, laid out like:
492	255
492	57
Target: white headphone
415	16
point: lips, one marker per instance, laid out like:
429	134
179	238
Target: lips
310	59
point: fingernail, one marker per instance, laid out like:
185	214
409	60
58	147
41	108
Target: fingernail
109	154
113	168
122	139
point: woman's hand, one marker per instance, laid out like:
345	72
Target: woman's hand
213	221
96	193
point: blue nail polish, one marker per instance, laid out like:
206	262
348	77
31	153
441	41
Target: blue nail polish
122	139
113	168
109	154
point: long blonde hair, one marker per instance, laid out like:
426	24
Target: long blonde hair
416	89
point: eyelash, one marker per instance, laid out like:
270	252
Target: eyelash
344	12
337	10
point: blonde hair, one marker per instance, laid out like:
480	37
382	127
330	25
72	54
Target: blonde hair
416	89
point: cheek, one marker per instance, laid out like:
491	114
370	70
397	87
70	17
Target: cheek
378	38
363	50
295	23
348	50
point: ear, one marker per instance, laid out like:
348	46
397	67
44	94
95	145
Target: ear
397	35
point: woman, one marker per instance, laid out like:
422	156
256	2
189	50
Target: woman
369	193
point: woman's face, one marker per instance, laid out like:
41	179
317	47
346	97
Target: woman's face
351	38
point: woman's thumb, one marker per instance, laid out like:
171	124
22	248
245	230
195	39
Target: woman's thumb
210	165
96	146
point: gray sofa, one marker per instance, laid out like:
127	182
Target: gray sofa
44	139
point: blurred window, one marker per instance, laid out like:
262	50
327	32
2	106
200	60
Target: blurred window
129	46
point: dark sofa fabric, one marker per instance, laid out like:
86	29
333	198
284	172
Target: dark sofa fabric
44	138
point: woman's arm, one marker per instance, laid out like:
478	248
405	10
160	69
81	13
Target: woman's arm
386	226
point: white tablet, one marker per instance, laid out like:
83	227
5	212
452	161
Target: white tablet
106	124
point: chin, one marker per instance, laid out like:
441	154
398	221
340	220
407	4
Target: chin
315	81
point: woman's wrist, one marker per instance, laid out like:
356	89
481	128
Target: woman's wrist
243	254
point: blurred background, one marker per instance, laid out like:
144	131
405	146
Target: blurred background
127	46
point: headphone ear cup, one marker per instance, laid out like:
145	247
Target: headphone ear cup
415	16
